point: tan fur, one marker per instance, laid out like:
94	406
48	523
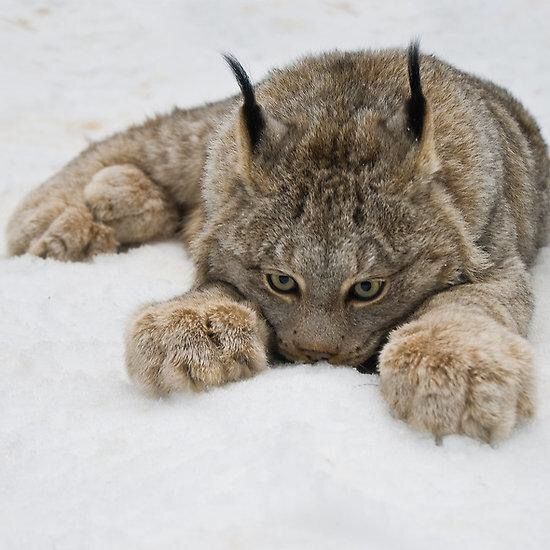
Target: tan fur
200	340
73	235
126	200
439	378
337	190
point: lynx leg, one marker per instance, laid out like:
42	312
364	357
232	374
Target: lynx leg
125	183
126	200
119	204
463	365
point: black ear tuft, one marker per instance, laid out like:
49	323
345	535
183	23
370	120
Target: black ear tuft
416	104
252	112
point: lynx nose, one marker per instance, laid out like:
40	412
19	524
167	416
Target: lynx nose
317	354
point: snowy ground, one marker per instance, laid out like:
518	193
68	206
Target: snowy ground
300	457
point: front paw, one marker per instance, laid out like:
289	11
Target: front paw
458	373
194	343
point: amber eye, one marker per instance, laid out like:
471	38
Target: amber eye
282	283
367	290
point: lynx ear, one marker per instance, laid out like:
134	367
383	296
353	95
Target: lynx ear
255	129
252	118
419	117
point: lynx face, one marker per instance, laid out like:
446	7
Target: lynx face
334	256
331	275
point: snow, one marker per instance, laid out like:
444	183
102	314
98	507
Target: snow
301	456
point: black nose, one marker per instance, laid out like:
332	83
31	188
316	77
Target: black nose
317	355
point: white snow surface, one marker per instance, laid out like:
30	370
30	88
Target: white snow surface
299	457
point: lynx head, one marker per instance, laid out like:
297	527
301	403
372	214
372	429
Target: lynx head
324	204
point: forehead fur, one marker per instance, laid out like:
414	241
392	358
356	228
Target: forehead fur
342	111
338	82
323	193
327	225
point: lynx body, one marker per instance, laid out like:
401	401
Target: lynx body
353	205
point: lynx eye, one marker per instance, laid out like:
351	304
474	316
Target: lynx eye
367	290
282	283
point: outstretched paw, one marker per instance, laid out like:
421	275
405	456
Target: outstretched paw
456	373
194	343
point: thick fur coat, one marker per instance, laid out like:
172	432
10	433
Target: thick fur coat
360	208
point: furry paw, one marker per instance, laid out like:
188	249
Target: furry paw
458	373
125	199
70	221
194	343
73	236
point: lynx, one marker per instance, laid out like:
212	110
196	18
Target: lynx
369	209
